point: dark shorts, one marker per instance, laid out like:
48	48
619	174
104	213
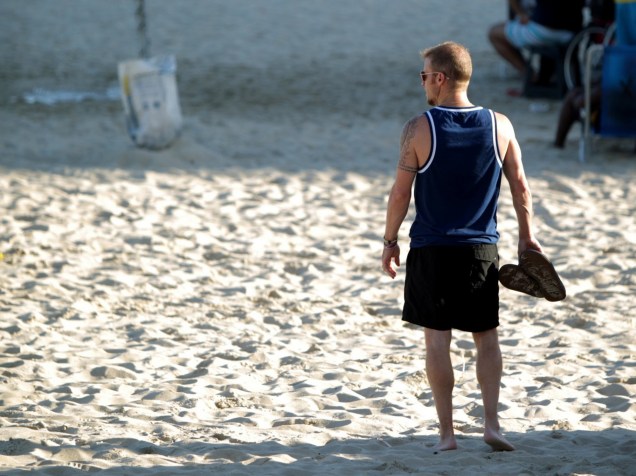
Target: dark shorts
452	287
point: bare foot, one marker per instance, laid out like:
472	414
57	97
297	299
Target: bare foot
445	444
497	442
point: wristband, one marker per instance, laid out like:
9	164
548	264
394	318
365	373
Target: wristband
388	244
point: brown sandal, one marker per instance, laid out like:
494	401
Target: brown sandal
539	267
514	277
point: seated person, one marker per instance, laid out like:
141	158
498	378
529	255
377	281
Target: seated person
551	23
574	102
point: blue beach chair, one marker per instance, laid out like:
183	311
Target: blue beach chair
618	80
618	95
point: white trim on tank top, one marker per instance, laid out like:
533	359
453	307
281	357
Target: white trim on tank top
434	137
494	137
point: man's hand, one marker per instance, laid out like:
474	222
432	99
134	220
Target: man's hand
528	244
392	253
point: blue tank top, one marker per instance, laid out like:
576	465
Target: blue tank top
457	190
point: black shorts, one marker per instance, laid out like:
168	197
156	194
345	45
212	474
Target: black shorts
452	287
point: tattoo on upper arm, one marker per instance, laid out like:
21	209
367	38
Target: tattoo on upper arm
407	168
408	159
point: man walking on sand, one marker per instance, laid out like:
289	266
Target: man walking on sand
455	153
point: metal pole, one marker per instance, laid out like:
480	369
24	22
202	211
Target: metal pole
142	30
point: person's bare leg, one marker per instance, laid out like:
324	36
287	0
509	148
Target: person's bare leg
439	371
489	370
569	114
505	49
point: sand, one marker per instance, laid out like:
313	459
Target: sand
218	307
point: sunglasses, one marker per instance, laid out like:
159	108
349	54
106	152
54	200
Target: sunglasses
423	75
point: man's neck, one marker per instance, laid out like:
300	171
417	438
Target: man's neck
459	99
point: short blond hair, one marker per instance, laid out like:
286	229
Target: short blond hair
451	59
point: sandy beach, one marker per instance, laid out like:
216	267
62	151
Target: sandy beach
218	307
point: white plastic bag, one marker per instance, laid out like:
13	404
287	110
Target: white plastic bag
151	102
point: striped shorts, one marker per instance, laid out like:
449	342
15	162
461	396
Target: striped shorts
534	34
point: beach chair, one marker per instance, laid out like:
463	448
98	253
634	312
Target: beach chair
549	61
618	95
565	62
575	54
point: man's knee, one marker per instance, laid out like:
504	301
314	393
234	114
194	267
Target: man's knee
437	341
486	340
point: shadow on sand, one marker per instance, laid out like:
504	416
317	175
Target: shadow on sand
555	452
